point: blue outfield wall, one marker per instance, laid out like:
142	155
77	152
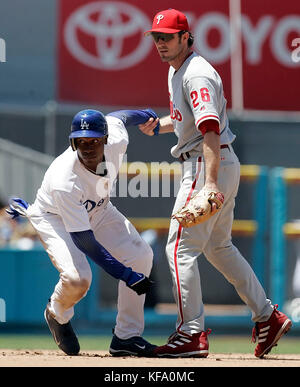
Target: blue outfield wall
27	280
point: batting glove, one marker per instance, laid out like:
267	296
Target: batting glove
17	206
136	281
142	286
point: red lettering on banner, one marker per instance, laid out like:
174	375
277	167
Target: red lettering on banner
92	51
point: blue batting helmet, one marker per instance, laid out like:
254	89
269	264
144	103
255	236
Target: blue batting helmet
88	123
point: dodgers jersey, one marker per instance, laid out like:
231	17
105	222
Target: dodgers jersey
196	94
73	192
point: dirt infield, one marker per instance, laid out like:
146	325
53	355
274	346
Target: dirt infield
42	358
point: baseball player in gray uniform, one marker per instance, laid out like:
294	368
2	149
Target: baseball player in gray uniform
198	118
74	218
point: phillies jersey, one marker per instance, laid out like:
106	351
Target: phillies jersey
196	94
75	193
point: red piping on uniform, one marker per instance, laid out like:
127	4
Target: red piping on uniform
209	126
176	248
213	117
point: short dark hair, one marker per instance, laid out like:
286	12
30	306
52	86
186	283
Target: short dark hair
190	39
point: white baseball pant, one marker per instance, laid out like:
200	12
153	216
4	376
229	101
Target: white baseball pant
213	239
113	231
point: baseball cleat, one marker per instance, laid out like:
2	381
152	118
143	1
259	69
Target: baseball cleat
63	335
134	346
179	345
269	332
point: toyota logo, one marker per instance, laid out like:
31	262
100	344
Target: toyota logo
107	35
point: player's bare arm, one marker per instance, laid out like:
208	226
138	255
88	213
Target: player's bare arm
166	125
211	153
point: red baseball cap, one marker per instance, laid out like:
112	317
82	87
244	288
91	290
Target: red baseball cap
169	22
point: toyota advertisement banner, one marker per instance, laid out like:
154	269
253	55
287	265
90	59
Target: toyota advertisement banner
104	58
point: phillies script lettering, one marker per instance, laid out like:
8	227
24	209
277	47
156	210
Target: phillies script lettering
175	113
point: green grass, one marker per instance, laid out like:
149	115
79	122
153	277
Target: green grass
218	344
243	344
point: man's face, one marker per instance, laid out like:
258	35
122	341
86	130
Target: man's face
91	150
169	46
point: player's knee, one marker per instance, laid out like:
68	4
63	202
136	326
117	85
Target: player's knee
77	284
214	252
80	286
144	263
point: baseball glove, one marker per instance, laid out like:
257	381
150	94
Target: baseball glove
199	208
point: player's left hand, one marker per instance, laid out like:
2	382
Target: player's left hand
215	205
200	208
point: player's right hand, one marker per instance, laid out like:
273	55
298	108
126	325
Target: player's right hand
149	126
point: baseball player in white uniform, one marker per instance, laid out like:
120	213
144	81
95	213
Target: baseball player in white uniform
198	118
74	218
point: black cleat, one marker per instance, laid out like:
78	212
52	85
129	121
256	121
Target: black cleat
63	335
134	346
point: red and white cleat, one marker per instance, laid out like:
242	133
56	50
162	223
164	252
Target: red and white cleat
179	345
270	331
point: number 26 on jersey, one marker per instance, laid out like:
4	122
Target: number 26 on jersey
204	96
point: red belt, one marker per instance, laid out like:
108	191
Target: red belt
186	155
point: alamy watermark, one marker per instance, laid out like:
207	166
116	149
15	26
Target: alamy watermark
2	50
140	179
296	51
2	310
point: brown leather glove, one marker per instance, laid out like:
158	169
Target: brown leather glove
199	208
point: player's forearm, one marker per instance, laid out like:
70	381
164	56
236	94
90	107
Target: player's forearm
211	154
136	117
166	125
